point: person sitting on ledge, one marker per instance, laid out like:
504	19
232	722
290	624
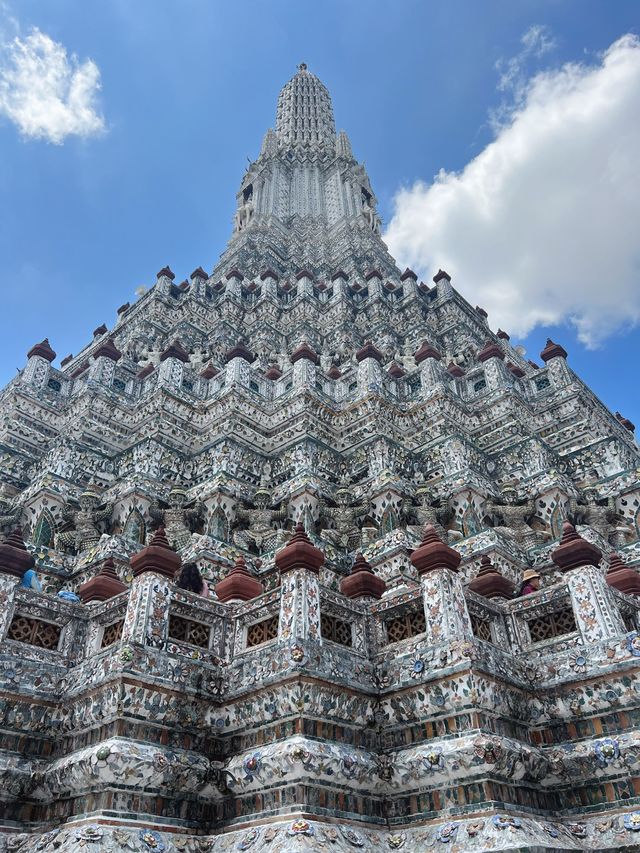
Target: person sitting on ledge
191	579
530	582
30	581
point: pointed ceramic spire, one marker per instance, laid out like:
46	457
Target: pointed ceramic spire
239	584
441	274
273	372
490	583
299	553
108	349
14	557
490	350
158	557
408	274
622	577
574	551
166	272
175	350
105	584
43	349
362	582
426	351
434	554
454	370
304	351
552	350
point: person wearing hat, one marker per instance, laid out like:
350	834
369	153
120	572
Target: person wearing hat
530	582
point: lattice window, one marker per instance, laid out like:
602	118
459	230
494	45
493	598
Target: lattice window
336	630
34	632
481	628
480	384
112	633
194	633
262	632
54	385
552	625
405	626
542	383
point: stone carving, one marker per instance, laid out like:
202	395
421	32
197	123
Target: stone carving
85	520
10	513
260	535
345	515
601	515
429	511
178	519
515	514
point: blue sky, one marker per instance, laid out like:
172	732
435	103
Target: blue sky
144	173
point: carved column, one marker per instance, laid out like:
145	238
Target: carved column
304	360
238	360
596	613
172	362
299	565
445	608
36	373
431	372
369	360
105	359
147	618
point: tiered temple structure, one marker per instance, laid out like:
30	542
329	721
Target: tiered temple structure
363	470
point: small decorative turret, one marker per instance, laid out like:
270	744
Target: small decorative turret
622	577
395	371
239	351
362	582
43	349
552	350
574	551
490	350
426	351
441	274
102	586
209	372
408	274
490	583
502	335
175	350
14	558
369	350
454	370
273	372
158	557
109	350
269	273
199	273
432	553
239	584
625	422
518	372
166	272
334	372
100	330
299	553
304	351
481	312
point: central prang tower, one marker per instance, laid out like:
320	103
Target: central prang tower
306	203
363	471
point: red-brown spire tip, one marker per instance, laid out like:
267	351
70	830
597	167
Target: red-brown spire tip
441	274
490	350
369	350
100	330
166	272
502	335
490	583
362	582
454	370
304	351
269	273
622	577
552	350
43	349
574	551
158	557
239	351
518	372
199	273
395	371
299	553
108	349
146	371
408	274
373	274
175	350
209	371
239	584
304	274
105	584
334	372
273	372
426	351
433	553
15	559
339	274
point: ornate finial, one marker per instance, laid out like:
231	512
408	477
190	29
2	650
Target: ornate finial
239	584
433	553
302	66
490	583
362	582
574	551
299	553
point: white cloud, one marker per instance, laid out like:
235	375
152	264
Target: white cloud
542	226
46	93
